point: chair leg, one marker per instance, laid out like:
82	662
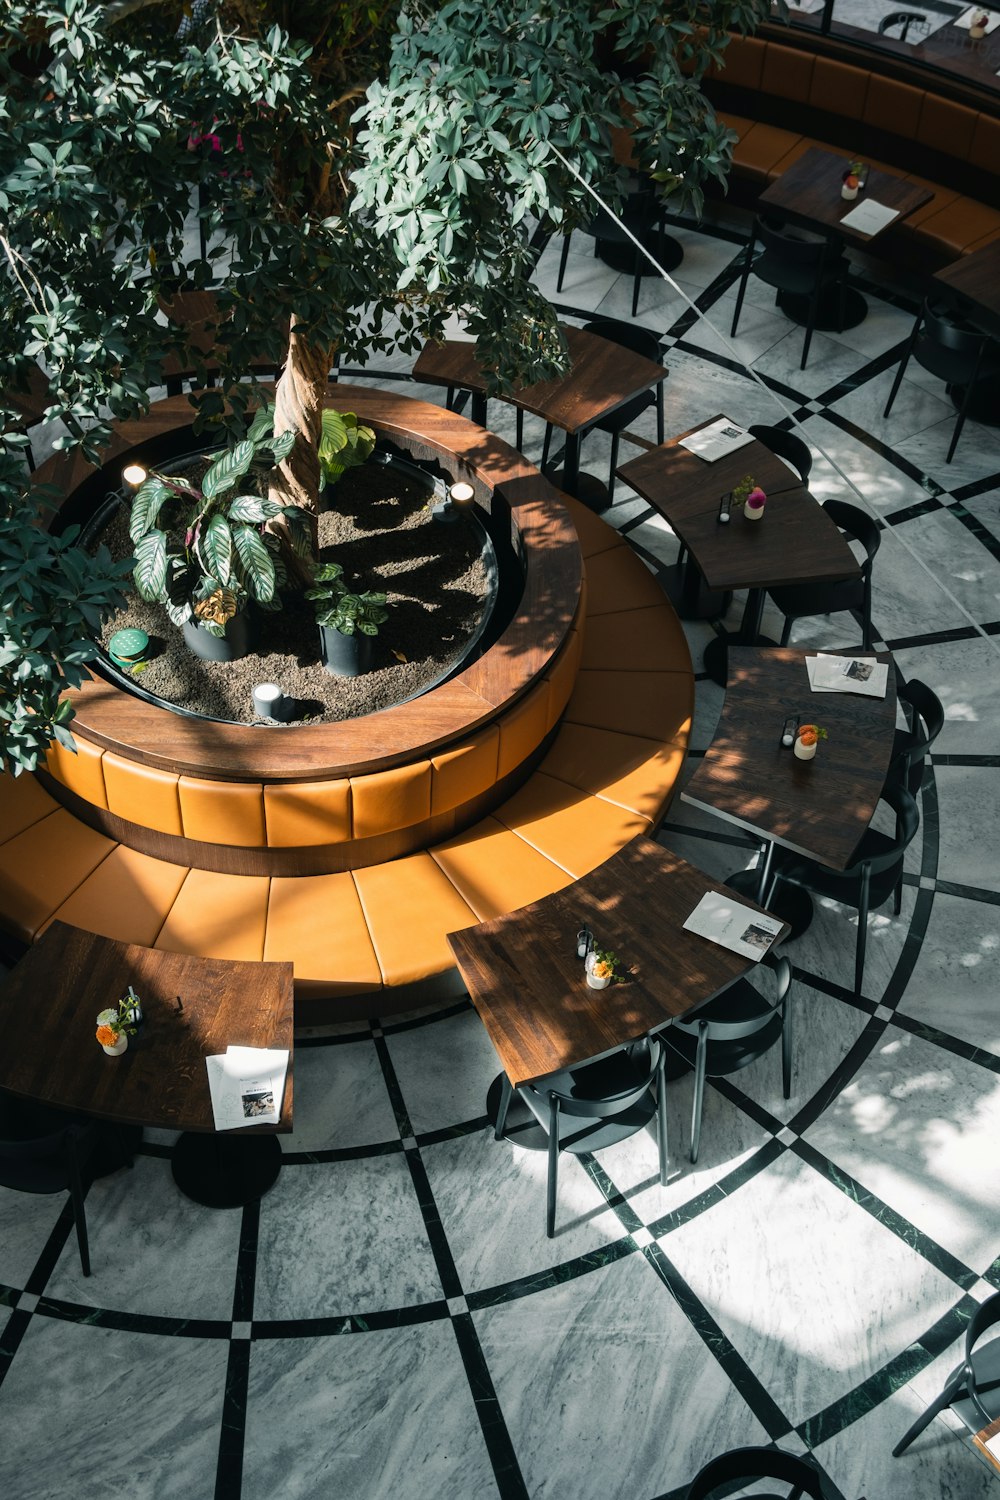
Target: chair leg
810	325
699	1090
786	631
546	446
505	1097
786	1048
959	422
744	278
902	366
563	258
952	1391
79	1210
636	279
553	1172
519	431
615	440
859	960
661	1114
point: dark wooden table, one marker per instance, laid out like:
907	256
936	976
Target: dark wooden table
528	986
795	542
603	377
820	807
48	1008
809	193
952	47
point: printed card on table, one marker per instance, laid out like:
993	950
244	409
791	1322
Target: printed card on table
724	920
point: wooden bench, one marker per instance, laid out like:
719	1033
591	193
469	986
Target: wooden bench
781	99
372	940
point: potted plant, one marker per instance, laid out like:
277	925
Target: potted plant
749	494
978	25
348	621
853	179
602	967
204	550
807	740
118	1023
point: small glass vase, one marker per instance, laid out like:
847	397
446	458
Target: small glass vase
804	751
116	1048
596	981
850	193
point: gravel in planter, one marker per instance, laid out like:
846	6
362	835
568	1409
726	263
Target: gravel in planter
381	530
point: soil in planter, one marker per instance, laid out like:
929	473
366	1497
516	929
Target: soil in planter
381	531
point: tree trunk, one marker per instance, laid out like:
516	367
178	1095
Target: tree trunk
298	403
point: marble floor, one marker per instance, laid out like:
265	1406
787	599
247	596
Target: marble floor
390	1322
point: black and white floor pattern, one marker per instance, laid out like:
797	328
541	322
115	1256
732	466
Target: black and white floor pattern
390	1321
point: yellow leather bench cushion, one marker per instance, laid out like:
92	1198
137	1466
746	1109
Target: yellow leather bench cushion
126	898
787	73
946	126
42	866
893	106
317	921
307	812
742	62
561	677
653	705
22	802
465	772
738	124
495	871
839	88
633	773
142	794
762	148
644	640
410	906
617	580
962	223
595	535
82	772
222	812
218	916
577	831
387	800
523	727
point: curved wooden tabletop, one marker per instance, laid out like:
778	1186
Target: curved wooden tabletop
116	720
820	807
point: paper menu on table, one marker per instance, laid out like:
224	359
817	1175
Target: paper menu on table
247	1085
967	17
848	674
716	440
992	1445
870	216
724	920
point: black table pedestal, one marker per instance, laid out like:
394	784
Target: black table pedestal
688	592
790	903
225	1171
796	307
985	404
620	254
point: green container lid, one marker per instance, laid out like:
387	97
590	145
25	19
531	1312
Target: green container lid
128	645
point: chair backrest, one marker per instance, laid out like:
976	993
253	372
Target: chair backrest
987	1315
639	340
860	527
907	823
781	243
723	1029
629	1073
928	720
48	1163
742	1465
785	445
945	327
903	19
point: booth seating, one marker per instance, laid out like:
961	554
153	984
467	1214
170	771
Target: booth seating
372	940
780	100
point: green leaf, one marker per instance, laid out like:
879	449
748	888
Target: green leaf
253	509
226	470
150	572
256	563
146	507
216	546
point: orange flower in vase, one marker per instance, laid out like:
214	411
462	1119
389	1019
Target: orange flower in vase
107	1036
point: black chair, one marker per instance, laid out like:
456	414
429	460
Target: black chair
973	1390
640	341
732	1031
801	268
925	717
875	875
786	445
854	594
54	1163
953	350
904	19
744	1465
582	1109
642	214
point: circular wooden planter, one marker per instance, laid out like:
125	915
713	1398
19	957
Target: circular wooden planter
336	796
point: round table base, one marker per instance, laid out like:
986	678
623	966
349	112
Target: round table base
828	312
790	902
716	657
589	490
523	1129
225	1171
620	256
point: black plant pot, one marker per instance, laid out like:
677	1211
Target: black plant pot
345	655
229	647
